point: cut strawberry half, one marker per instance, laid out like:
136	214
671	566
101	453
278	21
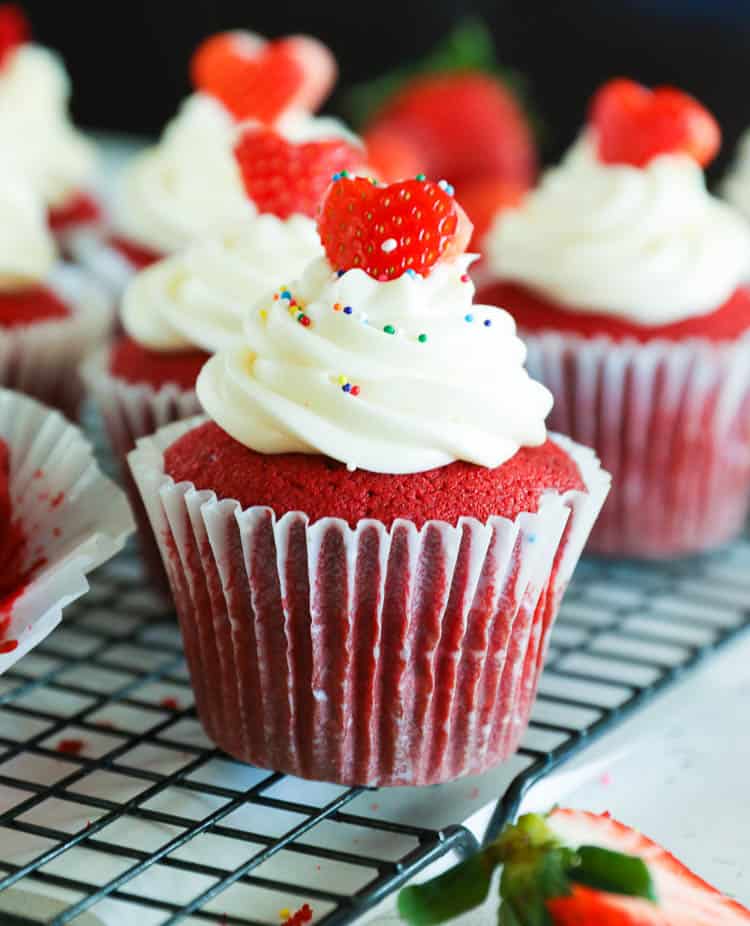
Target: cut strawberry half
284	178
256	79
387	230
633	124
14	30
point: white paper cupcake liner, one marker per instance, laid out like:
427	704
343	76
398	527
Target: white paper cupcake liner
42	359
110	267
131	411
368	656
671	423
73	516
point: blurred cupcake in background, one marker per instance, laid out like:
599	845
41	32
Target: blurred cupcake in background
37	138
51	314
369	537
60	518
625	276
183	308
736	185
189	184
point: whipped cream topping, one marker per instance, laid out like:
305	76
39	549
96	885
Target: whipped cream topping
38	139
393	377
27	248
201	296
189	185
649	245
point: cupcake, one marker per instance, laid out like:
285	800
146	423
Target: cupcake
37	139
368	538
60	518
736	186
189	184
624	275
182	309
51	315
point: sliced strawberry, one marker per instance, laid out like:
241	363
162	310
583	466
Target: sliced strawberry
256	79
633	124
463	125
284	178
683	899
387	230
14	29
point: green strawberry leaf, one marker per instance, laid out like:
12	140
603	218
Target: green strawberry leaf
613	872
461	889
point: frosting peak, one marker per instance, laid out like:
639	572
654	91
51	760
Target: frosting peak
38	138
395	377
27	248
648	244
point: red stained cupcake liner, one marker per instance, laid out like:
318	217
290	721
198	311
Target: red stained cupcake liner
365	656
131	411
71	516
42	359
671	423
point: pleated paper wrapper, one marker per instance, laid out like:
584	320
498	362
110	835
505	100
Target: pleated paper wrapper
366	656
73	517
42	359
105	263
130	411
671	423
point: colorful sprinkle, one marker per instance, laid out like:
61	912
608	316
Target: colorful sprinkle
340	273
422	338
389	329
410	271
488	322
336	306
263	314
304	320
347	387
343	380
347	310
421	178
446	187
465	278
469	317
285	294
355	390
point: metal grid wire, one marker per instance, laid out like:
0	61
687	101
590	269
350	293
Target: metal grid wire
113	802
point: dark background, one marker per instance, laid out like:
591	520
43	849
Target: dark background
129	60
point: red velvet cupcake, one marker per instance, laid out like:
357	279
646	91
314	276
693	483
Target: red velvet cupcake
59	519
368	540
625	276
37	139
51	315
188	185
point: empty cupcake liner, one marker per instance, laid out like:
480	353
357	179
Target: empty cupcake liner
671	423
42	359
366	656
130	411
74	519
110	267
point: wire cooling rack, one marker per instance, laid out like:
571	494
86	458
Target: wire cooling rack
114	805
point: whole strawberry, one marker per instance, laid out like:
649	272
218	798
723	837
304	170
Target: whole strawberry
285	178
389	230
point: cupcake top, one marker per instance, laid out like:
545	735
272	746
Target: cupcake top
376	356
199	297
625	225
27	248
189	184
38	140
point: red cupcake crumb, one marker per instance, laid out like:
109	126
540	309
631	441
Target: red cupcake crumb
138	255
71	747
534	313
303	915
30	305
137	364
321	487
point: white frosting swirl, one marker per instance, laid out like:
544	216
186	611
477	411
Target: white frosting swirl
736	186
201	296
38	138
189	184
649	245
461	394
27	248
